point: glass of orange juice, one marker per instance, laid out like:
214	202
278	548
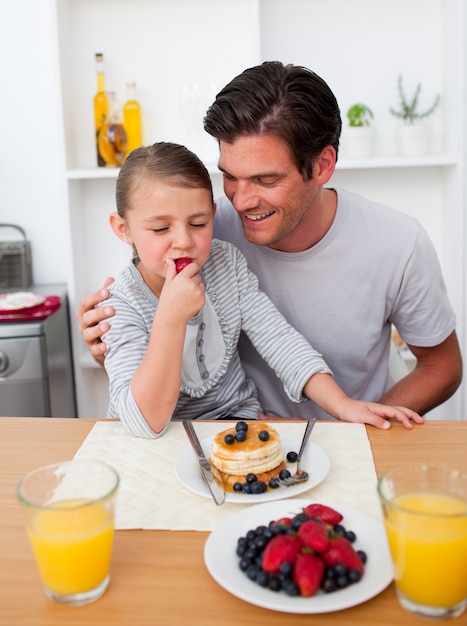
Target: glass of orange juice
69	511
425	515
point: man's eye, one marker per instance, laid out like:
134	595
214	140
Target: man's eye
266	182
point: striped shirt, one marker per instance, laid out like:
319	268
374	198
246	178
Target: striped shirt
214	384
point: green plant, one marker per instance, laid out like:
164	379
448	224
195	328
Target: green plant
359	115
408	110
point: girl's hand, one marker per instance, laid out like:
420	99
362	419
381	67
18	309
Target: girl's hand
183	294
377	415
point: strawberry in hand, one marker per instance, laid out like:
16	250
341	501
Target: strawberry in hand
181	263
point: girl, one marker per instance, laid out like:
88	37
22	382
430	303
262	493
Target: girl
172	347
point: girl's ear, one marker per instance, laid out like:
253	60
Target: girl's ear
119	227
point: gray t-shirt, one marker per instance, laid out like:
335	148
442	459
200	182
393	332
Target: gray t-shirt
375	267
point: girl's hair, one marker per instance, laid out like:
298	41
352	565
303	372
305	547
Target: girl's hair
287	101
161	161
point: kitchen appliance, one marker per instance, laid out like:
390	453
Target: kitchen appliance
15	261
36	368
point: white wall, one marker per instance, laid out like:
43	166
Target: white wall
32	183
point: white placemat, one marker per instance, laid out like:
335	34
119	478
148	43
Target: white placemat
151	497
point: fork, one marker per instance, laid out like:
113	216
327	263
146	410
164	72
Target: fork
300	475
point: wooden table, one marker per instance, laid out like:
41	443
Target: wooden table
159	577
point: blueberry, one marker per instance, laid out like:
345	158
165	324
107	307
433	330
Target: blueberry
241	426
363	556
246	488
258	486
241	435
238	486
284	474
354	576
329	585
339	530
292	457
244	564
263	435
250	478
274	483
350	536
275	583
229	439
286	569
291	588
262	578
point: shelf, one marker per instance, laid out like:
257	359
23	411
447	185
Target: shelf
377	162
381	162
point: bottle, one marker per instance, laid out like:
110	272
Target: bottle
112	139
100	103
132	119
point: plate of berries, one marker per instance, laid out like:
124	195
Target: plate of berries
300	556
314	460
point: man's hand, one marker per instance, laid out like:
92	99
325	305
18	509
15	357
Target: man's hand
90	316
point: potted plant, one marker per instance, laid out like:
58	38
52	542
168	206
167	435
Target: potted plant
414	138
358	136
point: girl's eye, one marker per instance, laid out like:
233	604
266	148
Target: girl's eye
199	225
159	230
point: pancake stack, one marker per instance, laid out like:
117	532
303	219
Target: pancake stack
235	460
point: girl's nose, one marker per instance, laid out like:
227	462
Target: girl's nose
181	238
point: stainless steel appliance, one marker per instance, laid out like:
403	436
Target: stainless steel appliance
36	366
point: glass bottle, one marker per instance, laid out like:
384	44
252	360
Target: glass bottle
112	140
132	119
100	103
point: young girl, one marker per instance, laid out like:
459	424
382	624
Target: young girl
172	347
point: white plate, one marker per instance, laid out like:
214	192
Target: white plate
20	300
314	460
222	562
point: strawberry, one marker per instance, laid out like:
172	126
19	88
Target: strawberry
308	573
313	535
323	513
285	522
281	549
180	264
340	550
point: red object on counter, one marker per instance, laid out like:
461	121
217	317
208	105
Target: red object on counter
38	312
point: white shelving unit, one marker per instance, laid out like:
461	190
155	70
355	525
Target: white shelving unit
359	48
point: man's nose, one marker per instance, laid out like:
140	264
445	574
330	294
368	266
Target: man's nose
244	196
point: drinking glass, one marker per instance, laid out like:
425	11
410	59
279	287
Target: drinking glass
69	512
425	515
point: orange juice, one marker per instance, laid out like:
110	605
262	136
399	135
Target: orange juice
429	548
72	543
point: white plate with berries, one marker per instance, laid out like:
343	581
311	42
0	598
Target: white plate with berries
353	564
314	460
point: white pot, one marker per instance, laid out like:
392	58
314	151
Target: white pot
414	139
357	142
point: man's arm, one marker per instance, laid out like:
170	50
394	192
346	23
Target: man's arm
437	375
89	316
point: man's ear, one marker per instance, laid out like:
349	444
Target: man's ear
324	165
119	227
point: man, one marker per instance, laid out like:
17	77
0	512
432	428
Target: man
342	269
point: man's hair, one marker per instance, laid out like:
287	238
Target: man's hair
287	101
